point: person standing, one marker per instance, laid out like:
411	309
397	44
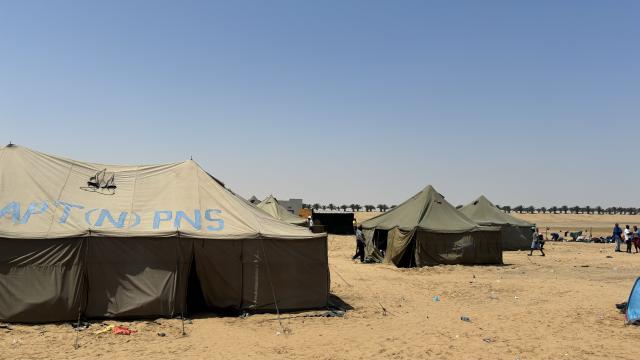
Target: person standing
359	244
636	238
628	237
310	221
617	236
537	242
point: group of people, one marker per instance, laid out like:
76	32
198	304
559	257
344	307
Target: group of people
630	238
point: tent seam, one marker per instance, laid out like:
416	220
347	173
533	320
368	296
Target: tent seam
66	180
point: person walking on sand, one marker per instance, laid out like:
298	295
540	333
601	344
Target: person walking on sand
537	242
359	245
628	237
617	236
636	238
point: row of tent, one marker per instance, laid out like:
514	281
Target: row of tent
106	241
428	230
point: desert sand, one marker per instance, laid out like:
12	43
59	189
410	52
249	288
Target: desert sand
598	225
561	306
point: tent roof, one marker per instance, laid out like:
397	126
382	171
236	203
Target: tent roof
271	206
484	212
427	210
45	196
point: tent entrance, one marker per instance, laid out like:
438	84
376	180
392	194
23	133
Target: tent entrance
380	239
409	257
195	298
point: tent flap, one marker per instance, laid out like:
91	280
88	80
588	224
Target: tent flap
219	268
41	280
287	275
137	277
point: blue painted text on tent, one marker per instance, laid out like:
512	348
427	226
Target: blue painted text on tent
104	218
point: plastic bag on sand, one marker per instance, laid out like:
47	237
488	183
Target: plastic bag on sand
122	330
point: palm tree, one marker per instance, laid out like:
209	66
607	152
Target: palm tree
553	209
381	207
598	210
331	207
356	207
316	206
324	207
575	209
343	207
542	210
506	208
369	208
530	209
564	208
518	209
587	209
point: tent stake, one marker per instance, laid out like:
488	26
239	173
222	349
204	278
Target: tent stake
182	316
76	345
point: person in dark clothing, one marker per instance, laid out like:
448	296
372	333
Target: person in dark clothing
359	244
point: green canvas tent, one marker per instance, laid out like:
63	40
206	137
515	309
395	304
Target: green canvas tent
516	234
133	241
427	230
271	206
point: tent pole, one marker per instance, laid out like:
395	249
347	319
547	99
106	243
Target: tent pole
185	298
273	290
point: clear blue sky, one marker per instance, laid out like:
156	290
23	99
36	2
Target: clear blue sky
533	103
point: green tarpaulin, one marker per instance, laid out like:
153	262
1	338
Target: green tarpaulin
427	230
271	206
516	233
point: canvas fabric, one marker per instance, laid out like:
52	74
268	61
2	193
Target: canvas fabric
428	230
125	248
271	206
516	233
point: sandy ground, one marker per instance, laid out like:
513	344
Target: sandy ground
599	225
556	307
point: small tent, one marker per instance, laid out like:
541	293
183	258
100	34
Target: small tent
427	230
632	310
105	241
516	234
271	206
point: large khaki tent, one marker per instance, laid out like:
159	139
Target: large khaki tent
271	206
516	234
133	241
427	230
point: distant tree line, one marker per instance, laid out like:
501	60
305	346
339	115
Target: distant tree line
351	207
520	209
598	210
